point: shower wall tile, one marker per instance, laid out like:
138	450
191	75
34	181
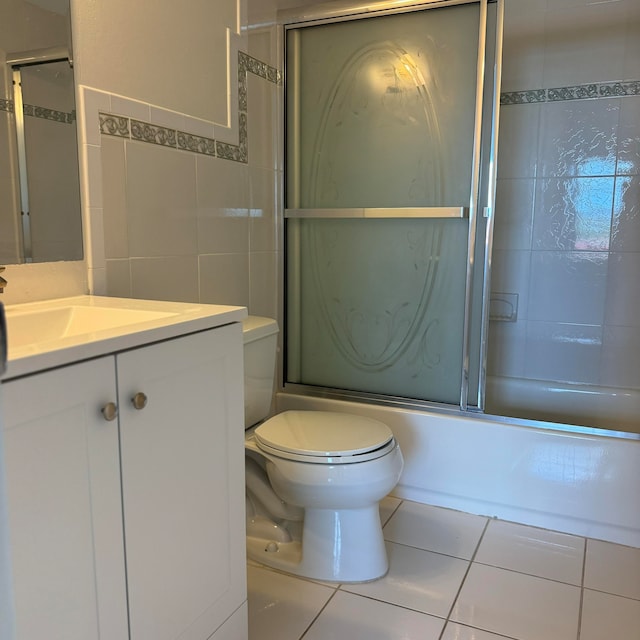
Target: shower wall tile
514	206
508	345
114	179
623	290
524	41
223	206
568	286
578	138
224	279
119	278
629	136
632	43
573	214
584	43
518	140
620	357
172	278
161	201
563	352
625	233
511	273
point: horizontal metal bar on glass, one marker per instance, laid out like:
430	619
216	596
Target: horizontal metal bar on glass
381	212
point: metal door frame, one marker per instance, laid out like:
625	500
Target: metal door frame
483	185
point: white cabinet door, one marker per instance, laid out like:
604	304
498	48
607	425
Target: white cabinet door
183	484
64	509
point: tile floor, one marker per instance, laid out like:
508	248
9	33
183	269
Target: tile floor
456	576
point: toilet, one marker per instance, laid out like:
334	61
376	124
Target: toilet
314	479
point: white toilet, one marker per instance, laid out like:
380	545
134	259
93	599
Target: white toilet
314	478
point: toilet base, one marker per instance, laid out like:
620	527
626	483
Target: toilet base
337	546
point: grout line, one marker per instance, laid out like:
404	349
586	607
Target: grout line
584	568
466	573
304	633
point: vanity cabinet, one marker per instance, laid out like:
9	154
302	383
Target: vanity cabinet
130	528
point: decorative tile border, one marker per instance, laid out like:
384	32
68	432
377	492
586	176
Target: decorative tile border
66	117
114	125
577	92
123	127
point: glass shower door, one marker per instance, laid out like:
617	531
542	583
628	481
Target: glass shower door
381	200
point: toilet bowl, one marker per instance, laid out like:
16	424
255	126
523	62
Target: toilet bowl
314	482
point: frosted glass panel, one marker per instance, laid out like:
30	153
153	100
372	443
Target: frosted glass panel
380	310
380	114
384	112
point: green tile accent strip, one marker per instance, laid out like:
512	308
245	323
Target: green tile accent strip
577	92
197	144
123	127
34	111
153	133
114	125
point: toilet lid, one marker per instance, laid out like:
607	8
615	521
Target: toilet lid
323	434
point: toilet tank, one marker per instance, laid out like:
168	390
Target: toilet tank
260	344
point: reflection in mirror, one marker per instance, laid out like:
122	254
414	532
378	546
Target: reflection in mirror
40	215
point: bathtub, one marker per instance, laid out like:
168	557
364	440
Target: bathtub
576	481
589	405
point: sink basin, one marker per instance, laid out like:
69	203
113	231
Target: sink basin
52	333
44	325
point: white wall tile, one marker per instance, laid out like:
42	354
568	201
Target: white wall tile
114	181
223	206
511	273
506	357
578	137
573	214
625	233
568	286
584	43
122	106
260	126
518	141
166	278
263	284
563	352
514	214
620	357
263	227
628	134
161	201
118	278
623	291
224	279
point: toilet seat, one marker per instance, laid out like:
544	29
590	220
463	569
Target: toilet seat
324	437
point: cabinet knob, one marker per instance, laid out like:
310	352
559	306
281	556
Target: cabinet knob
110	411
139	401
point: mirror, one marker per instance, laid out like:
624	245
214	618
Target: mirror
40	215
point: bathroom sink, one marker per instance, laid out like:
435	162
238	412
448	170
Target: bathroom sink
44	325
52	333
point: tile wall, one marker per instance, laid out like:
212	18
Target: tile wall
567	224
189	214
